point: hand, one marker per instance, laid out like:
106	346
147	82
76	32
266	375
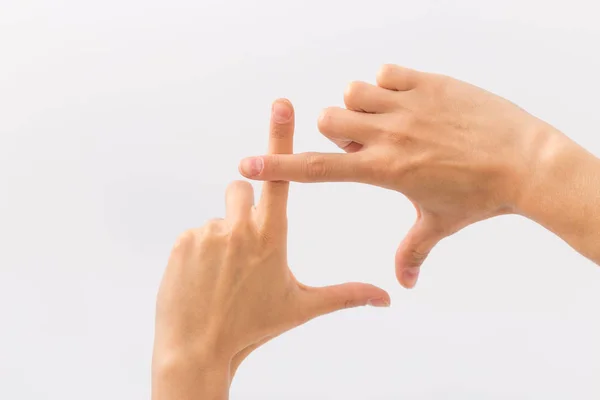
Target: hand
227	288
459	153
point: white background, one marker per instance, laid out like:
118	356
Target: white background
121	123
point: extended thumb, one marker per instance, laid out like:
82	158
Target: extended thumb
325	300
413	250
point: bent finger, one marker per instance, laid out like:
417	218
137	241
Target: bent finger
414	250
344	126
364	97
395	77
319	301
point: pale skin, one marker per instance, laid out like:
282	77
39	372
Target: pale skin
459	153
227	288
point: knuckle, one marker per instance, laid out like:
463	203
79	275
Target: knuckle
416	258
213	231
240	233
279	131
326	120
316	167
237	236
385	71
400	139
353	91
266	238
439	86
378	168
186	240
406	122
389	130
272	165
399	130
213	226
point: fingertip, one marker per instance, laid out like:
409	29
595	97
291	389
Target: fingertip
383	293
251	167
271	167
284	100
408	277
326	119
239	184
387	297
376	296
282	110
239	198
378	302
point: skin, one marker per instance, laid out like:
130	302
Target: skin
459	153
227	288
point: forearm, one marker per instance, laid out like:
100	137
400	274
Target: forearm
185	378
564	195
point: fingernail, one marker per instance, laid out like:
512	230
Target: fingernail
379	302
252	166
281	112
410	276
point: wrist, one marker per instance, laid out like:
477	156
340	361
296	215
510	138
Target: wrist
189	375
562	192
172	347
551	161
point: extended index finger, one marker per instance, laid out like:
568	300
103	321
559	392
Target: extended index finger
272	207
311	167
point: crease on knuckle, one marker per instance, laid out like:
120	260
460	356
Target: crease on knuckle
272	163
416	258
266	238
279	132
316	167
400	130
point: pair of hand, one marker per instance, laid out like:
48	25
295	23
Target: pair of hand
459	153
